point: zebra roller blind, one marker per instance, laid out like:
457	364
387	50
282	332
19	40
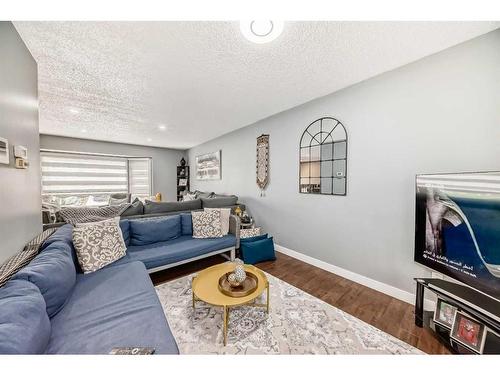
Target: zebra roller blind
66	174
140	177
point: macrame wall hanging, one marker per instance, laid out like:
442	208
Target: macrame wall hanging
262	162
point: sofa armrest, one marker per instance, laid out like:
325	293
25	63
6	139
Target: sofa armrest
234	228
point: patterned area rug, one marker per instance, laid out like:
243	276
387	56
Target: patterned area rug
298	323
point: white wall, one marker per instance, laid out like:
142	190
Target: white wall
439	114
20	213
165	160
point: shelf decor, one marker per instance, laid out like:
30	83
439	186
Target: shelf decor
262	162
182	180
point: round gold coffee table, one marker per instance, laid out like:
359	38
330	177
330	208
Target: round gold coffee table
205	287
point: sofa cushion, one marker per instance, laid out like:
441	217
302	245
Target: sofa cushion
64	234
179	249
258	251
114	307
160	207
158	229
219	201
125	227
135	208
207	224
53	272
187	224
24	323
98	244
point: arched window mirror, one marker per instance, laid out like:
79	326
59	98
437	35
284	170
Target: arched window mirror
323	158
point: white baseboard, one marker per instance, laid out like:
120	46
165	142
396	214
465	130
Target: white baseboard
356	277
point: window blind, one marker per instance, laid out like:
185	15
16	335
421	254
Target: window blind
140	177
77	174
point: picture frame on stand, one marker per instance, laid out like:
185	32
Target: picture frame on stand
444	315
468	332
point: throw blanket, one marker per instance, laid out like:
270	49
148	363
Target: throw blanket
74	215
17	261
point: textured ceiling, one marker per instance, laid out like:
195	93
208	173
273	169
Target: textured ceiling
118	81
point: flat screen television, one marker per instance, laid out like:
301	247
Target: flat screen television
457	227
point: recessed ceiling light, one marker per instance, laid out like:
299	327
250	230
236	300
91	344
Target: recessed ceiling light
261	31
84	130
74	111
162	127
149	140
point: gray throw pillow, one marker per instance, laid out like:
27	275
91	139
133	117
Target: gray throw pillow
136	208
203	194
206	224
189	197
160	207
98	244
219	201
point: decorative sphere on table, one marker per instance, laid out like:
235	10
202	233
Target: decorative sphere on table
231	279
240	273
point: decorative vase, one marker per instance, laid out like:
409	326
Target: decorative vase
183	162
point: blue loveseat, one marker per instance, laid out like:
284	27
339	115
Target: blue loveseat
51	307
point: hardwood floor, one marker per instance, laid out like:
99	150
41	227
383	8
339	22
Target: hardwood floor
378	309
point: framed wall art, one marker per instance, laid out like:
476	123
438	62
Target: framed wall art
208	166
4	151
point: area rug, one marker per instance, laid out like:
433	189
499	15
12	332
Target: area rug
298	323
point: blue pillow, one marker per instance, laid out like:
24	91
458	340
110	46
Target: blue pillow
125	227
254	238
148	231
24	323
54	273
187	224
258	251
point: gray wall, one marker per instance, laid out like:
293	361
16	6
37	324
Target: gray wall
164	160
440	114
20	213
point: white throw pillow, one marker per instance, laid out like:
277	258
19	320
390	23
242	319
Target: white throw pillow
98	244
225	213
206	224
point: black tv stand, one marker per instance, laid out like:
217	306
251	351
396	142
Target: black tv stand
483	308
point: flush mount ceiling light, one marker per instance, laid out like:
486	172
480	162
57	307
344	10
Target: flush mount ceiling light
262	31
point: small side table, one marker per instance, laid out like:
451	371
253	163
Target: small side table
249	225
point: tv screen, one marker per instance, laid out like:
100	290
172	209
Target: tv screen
457	229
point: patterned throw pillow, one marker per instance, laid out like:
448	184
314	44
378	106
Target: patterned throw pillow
225	213
206	224
247	233
98	244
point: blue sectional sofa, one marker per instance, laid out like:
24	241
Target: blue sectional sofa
51	307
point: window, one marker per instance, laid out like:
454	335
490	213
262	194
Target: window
323	158
139	175
71	179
